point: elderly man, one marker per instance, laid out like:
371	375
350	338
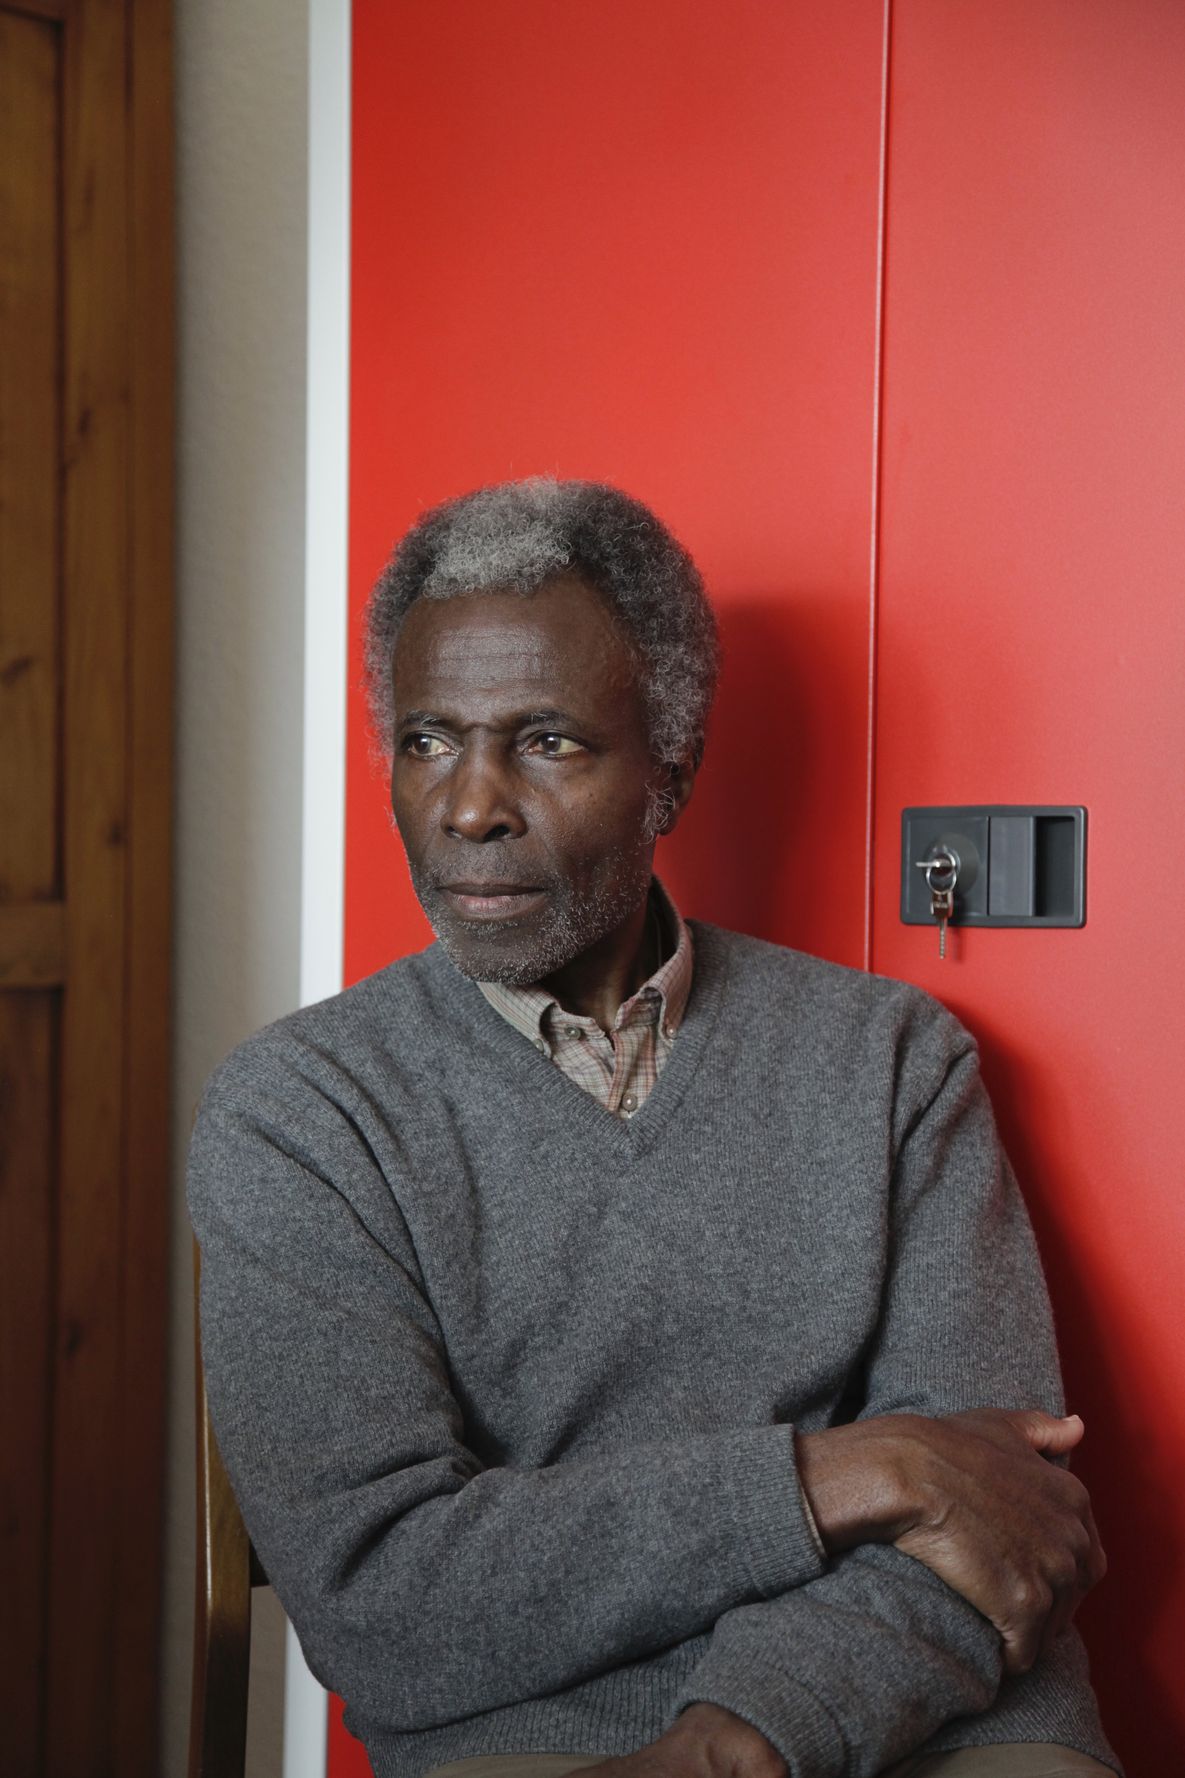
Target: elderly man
624	1336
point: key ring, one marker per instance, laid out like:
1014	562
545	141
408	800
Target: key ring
945	865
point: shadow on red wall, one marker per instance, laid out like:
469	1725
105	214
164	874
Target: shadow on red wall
785	764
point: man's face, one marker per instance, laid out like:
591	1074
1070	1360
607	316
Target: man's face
520	776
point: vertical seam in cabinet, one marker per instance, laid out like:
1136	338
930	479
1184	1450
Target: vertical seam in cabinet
875	503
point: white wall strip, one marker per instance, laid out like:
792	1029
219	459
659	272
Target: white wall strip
327	454
325	630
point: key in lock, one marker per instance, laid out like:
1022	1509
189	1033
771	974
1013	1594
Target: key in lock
942	873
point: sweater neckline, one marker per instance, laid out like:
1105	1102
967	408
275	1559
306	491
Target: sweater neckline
634	1136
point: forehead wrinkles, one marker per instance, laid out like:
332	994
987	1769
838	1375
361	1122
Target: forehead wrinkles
490	657
534	643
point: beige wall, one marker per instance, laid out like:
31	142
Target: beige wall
242	149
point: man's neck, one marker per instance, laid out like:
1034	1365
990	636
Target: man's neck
598	982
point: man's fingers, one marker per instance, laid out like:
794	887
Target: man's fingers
1012	1533
1022	1633
1046	1434
1020	1650
1042	1432
1087	1547
1058	1621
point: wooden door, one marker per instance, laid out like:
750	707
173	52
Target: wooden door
85	727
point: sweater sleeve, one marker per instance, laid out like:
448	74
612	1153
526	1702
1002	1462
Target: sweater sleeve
425	1586
860	1666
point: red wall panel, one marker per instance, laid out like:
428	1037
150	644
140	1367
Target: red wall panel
658	268
1031	641
639	243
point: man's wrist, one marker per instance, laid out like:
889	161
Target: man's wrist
855	1481
812	1524
720	1742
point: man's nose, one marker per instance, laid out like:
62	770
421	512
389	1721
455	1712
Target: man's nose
482	801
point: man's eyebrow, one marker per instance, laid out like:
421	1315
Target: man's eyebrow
545	718
421	719
518	719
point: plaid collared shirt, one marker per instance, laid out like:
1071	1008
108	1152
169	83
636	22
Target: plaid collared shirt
618	1068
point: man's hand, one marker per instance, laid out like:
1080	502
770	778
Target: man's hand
704	1741
973	1497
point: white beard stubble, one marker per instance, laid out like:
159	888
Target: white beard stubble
567	927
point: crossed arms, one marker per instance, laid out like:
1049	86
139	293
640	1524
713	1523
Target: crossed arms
401	1557
973	1498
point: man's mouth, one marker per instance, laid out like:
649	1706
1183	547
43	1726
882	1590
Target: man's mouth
492	901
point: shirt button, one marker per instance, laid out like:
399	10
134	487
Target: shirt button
573	1031
629	1103
668	1030
541	1046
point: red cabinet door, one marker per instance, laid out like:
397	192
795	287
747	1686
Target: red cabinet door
1031	647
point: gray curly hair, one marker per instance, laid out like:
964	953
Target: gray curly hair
514	536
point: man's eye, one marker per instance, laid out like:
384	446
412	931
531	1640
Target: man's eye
424	746
554	746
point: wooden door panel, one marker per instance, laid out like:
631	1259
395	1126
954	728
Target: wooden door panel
31	924
85	623
28	1023
84	1576
30	372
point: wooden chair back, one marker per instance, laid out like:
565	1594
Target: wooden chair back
227	1569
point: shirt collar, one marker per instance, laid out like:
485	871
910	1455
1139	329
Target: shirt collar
662	997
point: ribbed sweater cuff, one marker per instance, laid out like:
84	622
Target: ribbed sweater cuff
765	1508
797	1723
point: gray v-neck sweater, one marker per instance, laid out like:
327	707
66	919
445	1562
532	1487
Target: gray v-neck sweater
507	1387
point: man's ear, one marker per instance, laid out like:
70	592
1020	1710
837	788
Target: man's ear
675	794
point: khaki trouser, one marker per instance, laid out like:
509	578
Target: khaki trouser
1027	1759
